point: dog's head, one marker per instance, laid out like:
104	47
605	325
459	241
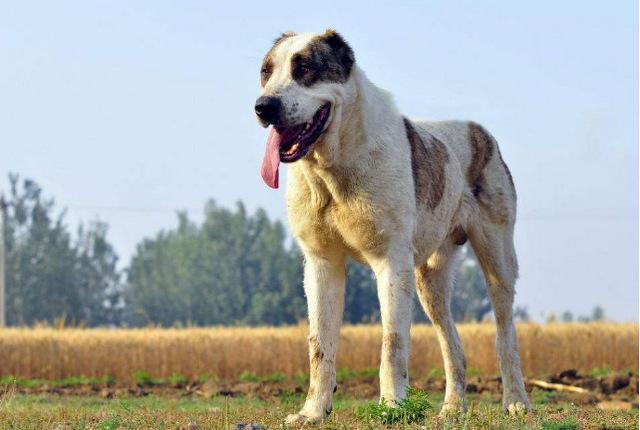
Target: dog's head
304	80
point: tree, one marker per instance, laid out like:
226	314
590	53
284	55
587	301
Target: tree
361	295
49	273
235	269
521	314
567	316
470	301
98	276
232	269
597	314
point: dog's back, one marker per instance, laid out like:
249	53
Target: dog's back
486	217
488	181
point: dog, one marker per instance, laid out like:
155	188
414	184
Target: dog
399	195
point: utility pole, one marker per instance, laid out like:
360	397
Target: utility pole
3	207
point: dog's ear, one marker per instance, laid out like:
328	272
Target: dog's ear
341	48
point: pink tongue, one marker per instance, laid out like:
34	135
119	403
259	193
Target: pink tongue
271	161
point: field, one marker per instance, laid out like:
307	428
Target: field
214	378
225	353
175	413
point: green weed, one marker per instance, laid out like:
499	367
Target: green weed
412	409
598	372
569	424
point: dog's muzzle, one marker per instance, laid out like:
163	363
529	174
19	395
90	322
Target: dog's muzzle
268	109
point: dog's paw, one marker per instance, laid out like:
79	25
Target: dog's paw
301	419
452	408
517	408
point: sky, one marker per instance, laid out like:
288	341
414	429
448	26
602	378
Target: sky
126	111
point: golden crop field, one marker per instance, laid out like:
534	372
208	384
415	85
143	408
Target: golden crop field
51	353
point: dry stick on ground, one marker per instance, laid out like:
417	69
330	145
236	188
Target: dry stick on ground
557	387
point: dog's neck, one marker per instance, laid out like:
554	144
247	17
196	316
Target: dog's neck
357	144
362	110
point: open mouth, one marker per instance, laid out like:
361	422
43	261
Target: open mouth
289	144
295	141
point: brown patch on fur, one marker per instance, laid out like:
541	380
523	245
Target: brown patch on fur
481	151
316	355
482	148
458	236
428	161
266	70
392	347
327	58
492	199
267	63
506	169
314	349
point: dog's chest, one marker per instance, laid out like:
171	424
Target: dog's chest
358	227
325	217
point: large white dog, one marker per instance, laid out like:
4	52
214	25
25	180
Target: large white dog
398	195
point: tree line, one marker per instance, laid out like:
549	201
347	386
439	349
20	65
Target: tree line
234	268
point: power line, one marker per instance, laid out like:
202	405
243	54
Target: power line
134	209
531	216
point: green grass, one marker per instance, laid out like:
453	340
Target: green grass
345	374
170	411
143	379
31	412
301	378
66	382
114	422
472	371
251	377
177	380
410	410
599	372
436	373
569	424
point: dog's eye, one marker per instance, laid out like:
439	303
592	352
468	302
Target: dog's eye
265	73
304	68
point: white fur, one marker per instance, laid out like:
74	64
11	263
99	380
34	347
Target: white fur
353	195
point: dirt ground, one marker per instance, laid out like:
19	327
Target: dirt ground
610	402
619	390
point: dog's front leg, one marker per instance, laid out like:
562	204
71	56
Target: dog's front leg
395	279
324	278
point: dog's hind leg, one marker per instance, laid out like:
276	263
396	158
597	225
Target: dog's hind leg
434	285
394	275
324	283
493	246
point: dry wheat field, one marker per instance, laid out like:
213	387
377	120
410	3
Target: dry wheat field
51	353
204	387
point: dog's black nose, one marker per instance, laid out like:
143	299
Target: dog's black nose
268	108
